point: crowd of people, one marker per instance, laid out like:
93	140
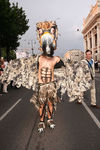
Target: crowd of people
47	86
88	60
38	73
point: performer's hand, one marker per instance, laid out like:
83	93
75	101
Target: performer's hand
67	56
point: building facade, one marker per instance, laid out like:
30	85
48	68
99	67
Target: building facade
75	55
91	31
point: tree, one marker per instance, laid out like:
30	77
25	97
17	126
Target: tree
4	10
12	54
13	25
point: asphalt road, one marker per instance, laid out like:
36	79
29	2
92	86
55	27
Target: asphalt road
77	126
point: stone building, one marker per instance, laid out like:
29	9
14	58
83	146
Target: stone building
75	54
91	31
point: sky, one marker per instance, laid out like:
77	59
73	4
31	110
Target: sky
68	15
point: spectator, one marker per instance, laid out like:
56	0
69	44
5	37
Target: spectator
2	66
1	70
99	66
91	67
96	65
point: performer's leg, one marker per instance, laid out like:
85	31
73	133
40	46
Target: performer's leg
80	98
50	111
41	124
93	93
41	113
5	87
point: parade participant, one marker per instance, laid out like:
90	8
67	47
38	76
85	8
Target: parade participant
47	93
1	65
2	85
90	62
46	74
99	66
1	70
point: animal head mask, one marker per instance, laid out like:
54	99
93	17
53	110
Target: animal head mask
47	35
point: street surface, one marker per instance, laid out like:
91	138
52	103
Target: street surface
77	126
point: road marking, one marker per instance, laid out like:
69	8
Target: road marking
97	122
9	110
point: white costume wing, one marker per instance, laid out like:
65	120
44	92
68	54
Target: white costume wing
78	79
60	78
22	71
74	78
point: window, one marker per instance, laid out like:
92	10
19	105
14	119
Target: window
95	40
86	44
90	42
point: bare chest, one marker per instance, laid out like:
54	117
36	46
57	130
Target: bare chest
46	67
47	63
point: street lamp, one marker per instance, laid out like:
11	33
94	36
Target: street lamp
32	48
32	41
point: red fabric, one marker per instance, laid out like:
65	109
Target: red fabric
2	66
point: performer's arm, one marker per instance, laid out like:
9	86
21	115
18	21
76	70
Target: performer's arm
59	64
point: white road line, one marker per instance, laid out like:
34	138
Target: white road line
97	122
9	110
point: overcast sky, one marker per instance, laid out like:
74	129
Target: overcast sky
68	14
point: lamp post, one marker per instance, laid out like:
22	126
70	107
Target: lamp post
32	48
33	42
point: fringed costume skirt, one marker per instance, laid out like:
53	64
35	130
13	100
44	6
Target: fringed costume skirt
44	93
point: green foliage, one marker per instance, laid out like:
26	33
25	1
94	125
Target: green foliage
4	55
13	24
4	21
12	55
